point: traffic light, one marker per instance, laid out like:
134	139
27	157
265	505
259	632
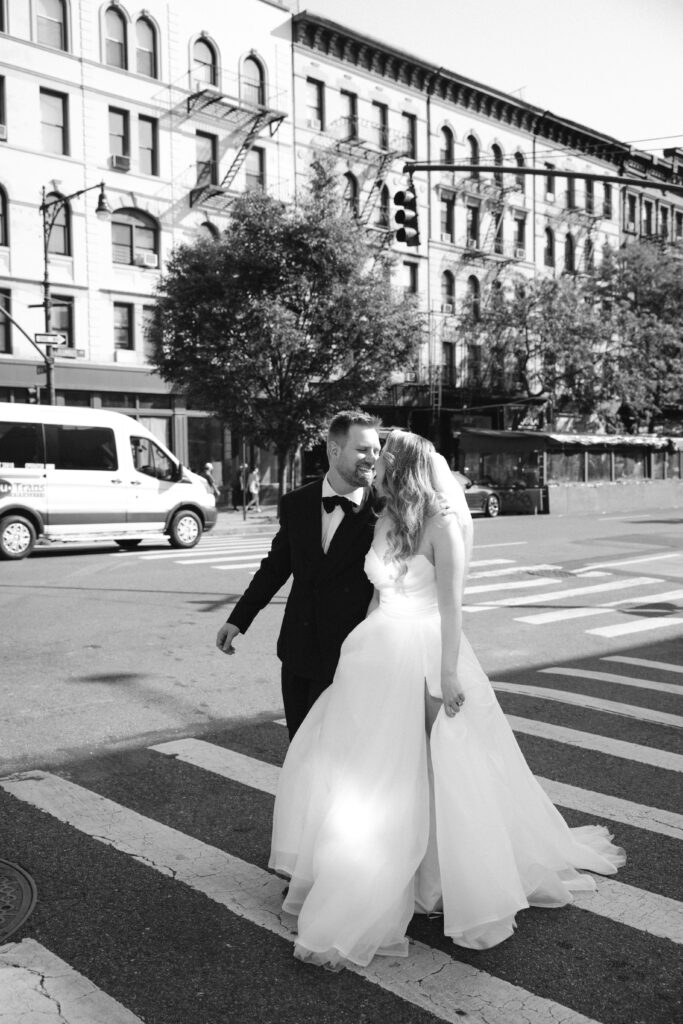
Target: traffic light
406	215
32	396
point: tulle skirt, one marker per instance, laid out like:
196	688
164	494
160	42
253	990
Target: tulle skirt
374	820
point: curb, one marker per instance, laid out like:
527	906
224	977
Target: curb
231	522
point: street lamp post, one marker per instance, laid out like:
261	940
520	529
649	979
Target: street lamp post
50	210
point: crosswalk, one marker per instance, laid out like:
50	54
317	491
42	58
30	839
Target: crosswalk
184	825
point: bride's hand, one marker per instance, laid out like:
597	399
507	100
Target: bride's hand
453	697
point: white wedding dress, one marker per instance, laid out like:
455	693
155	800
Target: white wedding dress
375	820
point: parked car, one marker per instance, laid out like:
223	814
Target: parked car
480	497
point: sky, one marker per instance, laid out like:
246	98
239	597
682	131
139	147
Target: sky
612	65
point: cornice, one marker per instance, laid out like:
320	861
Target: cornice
374	57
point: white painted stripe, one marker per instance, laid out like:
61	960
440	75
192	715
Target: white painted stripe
631	561
612	677
556	595
216	559
37	986
492	561
600	609
198	553
641	626
427	978
518	585
509	571
249	771
504	544
228	568
478	608
581	700
636	908
663	666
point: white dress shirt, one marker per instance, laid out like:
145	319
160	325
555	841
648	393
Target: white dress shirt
331	520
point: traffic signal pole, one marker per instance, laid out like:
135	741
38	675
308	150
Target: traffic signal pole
46	356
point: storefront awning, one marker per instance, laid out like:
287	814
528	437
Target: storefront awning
491	441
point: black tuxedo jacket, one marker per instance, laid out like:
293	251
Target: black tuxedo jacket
330	592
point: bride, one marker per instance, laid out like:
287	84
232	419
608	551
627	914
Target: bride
404	790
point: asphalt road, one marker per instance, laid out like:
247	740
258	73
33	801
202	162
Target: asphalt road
150	848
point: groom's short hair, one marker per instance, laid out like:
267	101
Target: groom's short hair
341	423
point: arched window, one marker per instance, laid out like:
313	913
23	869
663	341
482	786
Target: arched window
549	251
4	220
59	241
569	254
447	148
146	61
383	212
351	194
474	296
253	82
51	23
474	153
116	49
447	291
519	178
589	255
207	230
497	153
204	63
135	238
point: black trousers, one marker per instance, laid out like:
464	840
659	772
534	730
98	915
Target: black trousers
299	694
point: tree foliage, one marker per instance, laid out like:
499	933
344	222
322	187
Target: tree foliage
286	317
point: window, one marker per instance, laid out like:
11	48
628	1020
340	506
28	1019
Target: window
53	120
448	363
472	221
59	241
5	324
679	226
607	201
588	255
647	217
499	228
349	118
447	291
119	133
148	347
571	193
21	444
149	458
410	278
204	64
473	146
446	152
207	230
146	48
630	213
664	222
4	221
520	237
51	23
569	254
350	196
88	448
549	250
498	161
447	218
473	363
590	196
474	296
206	147
255	169
3	118
550	183
253	84
62	318
383	211
520	178
135	238
115	48
380	120
409	122
148	147
315	104
123	325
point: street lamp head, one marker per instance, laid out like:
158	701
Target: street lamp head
103	210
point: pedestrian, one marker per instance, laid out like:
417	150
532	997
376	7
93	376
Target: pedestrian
404	789
324	535
253	489
207	473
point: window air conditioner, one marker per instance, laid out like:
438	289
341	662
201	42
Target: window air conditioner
314	123
472	243
631	225
446	236
3	132
550	197
147	259
200	85
119	163
446	307
520	254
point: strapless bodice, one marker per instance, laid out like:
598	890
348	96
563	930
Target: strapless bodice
414	592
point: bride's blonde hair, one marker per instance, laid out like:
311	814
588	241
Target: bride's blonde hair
409	493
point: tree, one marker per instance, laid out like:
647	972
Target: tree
289	316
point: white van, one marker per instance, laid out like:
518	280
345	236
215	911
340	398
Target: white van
72	474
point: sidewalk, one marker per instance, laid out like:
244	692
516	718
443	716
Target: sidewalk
233	522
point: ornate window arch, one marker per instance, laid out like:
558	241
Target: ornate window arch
473	145
115	37
497	154
59	242
448	289
384	208
474	296
549	251
208	230
52	24
519	178
134	237
569	253
351	193
204	63
447	145
146	47
253	80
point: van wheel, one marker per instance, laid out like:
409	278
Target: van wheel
185	529
128	543
17	537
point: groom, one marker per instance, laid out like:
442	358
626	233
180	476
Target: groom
325	532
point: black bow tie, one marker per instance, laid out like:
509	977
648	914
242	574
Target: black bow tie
331	501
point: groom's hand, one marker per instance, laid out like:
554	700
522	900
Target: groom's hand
225	636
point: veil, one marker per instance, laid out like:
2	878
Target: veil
447	485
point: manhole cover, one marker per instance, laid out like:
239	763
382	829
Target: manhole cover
18	896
